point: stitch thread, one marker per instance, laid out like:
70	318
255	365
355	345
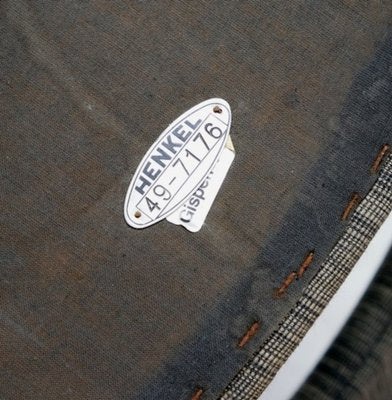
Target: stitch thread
354	200
305	264
379	158
197	395
249	334
288	281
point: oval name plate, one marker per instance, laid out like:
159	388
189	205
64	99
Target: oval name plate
177	163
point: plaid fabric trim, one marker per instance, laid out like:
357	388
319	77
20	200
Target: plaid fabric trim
362	353
254	377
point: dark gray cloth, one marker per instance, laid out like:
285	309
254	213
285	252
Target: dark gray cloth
91	308
255	376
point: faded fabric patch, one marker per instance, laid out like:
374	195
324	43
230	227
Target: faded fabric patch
368	217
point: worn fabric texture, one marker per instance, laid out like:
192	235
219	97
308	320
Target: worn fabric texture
93	309
359	364
257	374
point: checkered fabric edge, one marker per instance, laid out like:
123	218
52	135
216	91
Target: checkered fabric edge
254	377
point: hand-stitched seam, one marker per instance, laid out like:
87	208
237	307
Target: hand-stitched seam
308	260
353	202
249	334
198	393
305	264
379	158
351	205
279	292
258	372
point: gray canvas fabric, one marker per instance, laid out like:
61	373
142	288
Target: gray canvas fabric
258	373
91	308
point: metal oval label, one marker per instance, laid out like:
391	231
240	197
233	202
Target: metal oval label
177	163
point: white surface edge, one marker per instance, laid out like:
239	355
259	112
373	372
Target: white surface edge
326	328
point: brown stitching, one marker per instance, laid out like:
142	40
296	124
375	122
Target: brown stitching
305	264
354	200
379	158
288	281
249	334
197	395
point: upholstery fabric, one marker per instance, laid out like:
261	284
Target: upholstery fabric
255	376
93	309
